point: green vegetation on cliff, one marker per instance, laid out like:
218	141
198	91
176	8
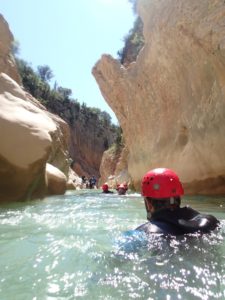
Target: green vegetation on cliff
58	99
133	41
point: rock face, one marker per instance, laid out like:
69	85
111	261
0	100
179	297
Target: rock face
25	143
91	133
56	180
28	137
7	63
88	143
171	101
59	156
113	168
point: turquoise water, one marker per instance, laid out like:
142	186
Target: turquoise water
74	247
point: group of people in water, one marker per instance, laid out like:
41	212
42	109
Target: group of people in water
162	191
89	183
121	188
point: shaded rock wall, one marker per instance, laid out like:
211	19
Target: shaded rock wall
88	143
59	155
171	101
91	133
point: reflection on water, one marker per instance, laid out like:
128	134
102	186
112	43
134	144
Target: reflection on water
81	246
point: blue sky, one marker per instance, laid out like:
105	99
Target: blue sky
70	36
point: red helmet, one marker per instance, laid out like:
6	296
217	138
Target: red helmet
105	187
121	186
161	183
125	185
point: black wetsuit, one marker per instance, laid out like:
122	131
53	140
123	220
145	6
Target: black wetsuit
107	192
179	221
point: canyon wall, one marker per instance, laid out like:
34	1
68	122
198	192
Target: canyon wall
7	63
91	133
34	160
170	102
113	168
89	140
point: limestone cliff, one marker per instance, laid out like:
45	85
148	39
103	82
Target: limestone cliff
113	168
30	137
88	143
91	133
171	101
7	63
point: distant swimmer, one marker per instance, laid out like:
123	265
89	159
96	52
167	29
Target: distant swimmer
162	191
92	182
105	189
122	188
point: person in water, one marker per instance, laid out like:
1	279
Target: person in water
92	182
105	189
121	189
162	191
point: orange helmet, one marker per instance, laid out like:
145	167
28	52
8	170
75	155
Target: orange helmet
161	183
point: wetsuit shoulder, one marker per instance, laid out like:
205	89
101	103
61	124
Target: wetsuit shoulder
107	192
201	222
159	227
179	221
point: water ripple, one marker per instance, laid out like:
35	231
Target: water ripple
77	246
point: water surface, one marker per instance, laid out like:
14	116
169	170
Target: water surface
77	246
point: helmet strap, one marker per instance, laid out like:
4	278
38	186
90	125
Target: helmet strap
149	214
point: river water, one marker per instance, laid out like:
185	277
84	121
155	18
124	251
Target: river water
80	246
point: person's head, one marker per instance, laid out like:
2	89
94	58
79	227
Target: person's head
125	186
121	189
105	187
161	189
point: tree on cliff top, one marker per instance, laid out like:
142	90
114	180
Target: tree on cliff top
58	100
45	73
134	41
134	4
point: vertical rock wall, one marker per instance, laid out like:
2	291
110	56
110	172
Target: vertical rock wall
88	143
7	63
30	137
171	101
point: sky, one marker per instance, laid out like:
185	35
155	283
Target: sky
70	36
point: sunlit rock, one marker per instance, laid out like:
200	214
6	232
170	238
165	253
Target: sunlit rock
7	62
113	168
30	137
170	102
25	146
56	180
74	181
